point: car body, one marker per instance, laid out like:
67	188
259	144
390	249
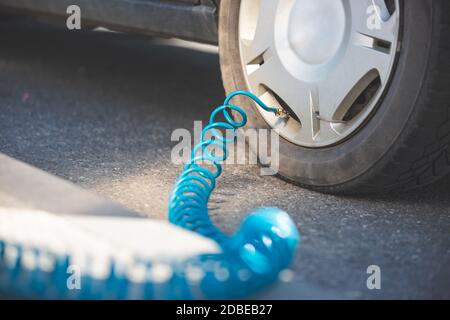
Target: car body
186	19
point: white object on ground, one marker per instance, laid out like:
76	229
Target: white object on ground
93	242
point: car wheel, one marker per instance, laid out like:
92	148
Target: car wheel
365	83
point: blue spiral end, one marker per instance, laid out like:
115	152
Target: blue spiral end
267	240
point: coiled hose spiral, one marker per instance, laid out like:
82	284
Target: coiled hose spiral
37	249
267	239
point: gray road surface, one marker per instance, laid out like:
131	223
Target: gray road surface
98	109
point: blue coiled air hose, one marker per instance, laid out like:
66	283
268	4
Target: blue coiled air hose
244	263
266	241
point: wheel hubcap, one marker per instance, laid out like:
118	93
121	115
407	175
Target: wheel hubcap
316	29
326	62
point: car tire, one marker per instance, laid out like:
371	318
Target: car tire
405	142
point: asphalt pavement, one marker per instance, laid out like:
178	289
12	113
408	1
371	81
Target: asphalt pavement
98	109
